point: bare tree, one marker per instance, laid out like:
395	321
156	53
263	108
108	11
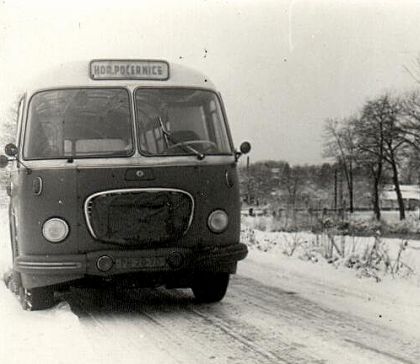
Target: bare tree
292	180
372	162
339	144
382	139
410	113
414	69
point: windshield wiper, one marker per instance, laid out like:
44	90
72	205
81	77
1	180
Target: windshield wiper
187	148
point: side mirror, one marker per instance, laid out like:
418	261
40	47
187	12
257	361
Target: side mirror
4	161
11	150
245	147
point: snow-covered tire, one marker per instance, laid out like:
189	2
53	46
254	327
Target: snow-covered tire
35	299
13	281
210	287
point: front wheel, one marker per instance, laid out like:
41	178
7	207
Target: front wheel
34	299
210	287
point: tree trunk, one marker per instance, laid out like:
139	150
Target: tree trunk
376	181
351	204
335	189
375	200
400	199
350	188
347	168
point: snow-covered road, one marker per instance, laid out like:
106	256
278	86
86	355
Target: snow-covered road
256	323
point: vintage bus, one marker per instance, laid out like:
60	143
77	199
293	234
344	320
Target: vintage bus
124	172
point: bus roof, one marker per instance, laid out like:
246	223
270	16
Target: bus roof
77	74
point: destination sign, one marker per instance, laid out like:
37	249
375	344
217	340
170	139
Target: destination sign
129	70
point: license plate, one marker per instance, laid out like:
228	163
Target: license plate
139	262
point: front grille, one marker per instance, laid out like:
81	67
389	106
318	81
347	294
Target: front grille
139	216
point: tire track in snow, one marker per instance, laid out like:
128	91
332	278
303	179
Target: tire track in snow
329	324
167	320
254	324
115	333
178	323
381	352
206	328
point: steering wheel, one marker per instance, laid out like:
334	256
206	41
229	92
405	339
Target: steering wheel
209	143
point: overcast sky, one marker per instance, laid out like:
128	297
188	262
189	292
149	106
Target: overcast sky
283	67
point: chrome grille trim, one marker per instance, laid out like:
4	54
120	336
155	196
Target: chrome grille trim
88	206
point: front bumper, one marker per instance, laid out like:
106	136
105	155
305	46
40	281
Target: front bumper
42	270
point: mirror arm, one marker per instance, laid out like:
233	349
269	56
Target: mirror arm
19	162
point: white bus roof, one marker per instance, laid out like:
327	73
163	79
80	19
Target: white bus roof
77	74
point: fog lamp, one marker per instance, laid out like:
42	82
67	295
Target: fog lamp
218	221
55	230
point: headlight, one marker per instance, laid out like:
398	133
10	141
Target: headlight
218	221
55	230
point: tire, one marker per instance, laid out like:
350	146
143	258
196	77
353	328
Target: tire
13	281
210	287
35	299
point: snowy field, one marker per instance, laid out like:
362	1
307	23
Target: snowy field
337	315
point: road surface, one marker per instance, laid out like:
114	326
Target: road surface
257	322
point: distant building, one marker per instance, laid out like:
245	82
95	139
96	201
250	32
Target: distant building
410	194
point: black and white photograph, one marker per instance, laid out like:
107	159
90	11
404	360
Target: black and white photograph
209	181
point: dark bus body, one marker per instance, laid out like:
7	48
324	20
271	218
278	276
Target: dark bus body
123	174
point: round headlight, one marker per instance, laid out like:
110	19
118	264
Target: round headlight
55	230
218	221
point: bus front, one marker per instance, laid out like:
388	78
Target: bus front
128	178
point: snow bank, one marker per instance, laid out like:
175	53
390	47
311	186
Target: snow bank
399	258
46	337
52	336
394	303
302	257
5	252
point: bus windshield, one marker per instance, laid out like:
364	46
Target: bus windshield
180	121
83	122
